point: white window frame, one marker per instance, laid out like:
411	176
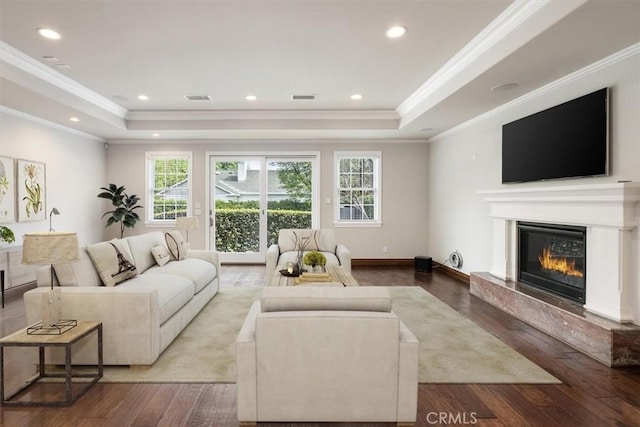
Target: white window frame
376	156
151	156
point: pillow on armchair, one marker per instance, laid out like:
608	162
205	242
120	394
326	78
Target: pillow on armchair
310	240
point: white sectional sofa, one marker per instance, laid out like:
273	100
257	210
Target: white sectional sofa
142	315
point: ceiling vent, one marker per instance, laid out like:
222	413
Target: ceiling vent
198	97
303	97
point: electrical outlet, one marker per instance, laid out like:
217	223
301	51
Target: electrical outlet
385	249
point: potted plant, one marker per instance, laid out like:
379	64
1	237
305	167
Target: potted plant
125	207
315	258
6	235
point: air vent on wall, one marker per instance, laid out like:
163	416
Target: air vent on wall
198	97
303	97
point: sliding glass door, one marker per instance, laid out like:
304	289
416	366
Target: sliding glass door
253	197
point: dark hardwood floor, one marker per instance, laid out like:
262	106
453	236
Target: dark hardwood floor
590	394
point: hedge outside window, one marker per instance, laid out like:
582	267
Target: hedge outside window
358	188
169	186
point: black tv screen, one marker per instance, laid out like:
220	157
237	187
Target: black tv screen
566	141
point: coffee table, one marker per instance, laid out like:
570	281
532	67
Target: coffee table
338	274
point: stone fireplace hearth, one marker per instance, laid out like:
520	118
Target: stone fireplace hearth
610	214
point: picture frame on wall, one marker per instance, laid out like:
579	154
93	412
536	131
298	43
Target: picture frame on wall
31	184
7	190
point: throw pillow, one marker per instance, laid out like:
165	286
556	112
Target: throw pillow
79	273
176	244
161	255
112	260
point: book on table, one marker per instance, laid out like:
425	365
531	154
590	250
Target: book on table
315	277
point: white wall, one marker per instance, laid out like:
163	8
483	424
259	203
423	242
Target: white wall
468	159
404	177
75	170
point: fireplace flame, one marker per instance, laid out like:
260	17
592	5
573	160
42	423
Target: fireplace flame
549	262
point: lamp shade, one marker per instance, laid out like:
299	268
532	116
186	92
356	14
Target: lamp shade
187	223
54	247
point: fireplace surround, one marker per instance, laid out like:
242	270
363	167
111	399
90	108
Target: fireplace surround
610	214
607	325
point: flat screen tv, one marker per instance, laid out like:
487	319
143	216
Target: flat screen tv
569	140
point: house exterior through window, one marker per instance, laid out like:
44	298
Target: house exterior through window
169	186
357	188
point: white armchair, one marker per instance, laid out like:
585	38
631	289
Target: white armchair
322	354
314	240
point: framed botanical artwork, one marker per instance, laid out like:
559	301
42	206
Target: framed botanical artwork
7	190
31	185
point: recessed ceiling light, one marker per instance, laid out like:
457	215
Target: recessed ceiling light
356	97
155	134
50	58
395	32
74	119
503	87
250	97
49	33
426	129
143	97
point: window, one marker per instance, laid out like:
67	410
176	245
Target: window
169	186
357	188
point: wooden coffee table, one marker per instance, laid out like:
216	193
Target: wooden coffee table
338	274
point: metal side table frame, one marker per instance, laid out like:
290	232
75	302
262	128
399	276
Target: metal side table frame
66	340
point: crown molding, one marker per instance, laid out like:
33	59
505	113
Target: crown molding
517	24
263	115
298	141
24	62
608	61
49	124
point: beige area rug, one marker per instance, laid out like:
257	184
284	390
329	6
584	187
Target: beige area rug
452	348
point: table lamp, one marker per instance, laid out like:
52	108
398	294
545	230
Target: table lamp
54	247
187	223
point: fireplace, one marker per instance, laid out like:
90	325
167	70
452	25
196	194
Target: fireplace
552	258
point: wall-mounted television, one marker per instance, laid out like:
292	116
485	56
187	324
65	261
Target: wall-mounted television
569	140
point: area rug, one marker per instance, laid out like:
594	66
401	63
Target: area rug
452	348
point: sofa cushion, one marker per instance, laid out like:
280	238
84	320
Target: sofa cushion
198	271
161	255
318	298
141	245
176	244
313	240
173	291
113	261
80	273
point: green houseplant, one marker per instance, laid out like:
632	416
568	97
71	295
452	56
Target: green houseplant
125	207
6	235
314	258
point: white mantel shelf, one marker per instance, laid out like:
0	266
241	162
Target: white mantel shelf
607	210
604	205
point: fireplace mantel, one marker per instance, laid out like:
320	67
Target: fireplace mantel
608	211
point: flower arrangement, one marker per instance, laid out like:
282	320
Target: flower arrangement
6	235
314	258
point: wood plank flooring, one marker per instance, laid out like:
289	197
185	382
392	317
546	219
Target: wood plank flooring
590	394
